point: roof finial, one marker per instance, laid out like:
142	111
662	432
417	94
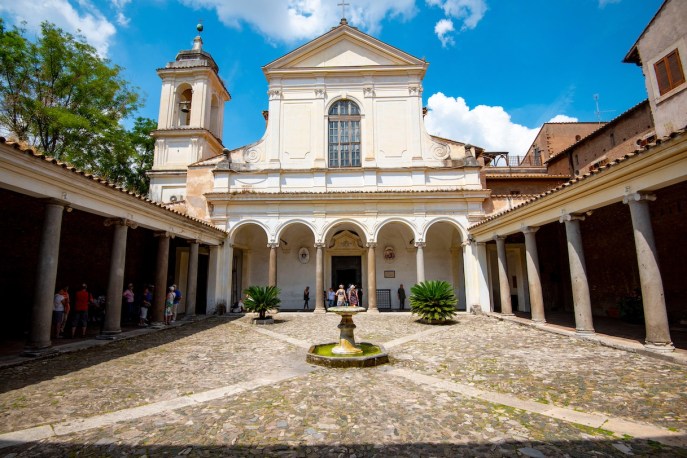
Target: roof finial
343	6
197	41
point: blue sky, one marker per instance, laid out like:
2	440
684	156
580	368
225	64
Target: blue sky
498	68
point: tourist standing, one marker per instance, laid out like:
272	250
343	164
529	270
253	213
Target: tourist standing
177	301
82	299
402	296
58	305
331	296
340	296
169	305
306	298
353	296
129	298
67	307
145	306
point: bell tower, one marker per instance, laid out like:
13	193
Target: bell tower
190	121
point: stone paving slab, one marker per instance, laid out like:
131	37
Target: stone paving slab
345	413
368	412
128	373
552	369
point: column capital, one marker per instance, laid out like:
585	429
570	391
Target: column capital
371	244
420	244
320	245
638	197
54	201
499	237
120	222
572	217
529	229
166	234
192	241
273	245
468	241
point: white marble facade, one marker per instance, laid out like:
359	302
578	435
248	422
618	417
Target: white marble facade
347	165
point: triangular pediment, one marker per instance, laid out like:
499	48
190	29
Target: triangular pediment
345	46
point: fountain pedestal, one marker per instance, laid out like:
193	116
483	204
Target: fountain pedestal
346	353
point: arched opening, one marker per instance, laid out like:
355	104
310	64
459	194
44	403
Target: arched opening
395	264
296	266
251	255
184	104
345	260
344	134
443	256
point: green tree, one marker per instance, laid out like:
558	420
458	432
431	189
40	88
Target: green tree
58	95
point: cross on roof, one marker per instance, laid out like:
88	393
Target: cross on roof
343	6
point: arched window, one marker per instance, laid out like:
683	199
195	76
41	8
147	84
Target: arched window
344	134
185	101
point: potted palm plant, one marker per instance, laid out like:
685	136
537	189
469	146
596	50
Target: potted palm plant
262	299
433	301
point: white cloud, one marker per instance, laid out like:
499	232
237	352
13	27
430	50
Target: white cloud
563	118
488	127
443	28
87	20
291	20
468	12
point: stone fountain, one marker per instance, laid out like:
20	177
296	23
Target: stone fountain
346	353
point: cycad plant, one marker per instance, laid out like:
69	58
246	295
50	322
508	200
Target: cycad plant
434	301
261	299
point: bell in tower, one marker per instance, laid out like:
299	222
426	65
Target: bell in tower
190	120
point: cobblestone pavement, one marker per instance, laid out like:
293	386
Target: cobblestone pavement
222	387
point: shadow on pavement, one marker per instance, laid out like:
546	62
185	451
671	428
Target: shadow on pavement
592	447
38	370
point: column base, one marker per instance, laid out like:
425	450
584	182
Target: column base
539	322
35	352
319	311
157	325
374	311
106	336
506	314
660	347
585	332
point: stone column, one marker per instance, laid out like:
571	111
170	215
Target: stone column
533	277
192	279
653	299
504	284
273	264
420	261
371	278
158	317
319	278
584	323
46	275
115	283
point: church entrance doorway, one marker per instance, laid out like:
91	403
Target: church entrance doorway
346	270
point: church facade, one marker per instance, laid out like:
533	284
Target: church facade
346	185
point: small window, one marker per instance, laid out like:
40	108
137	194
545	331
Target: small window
669	74
577	138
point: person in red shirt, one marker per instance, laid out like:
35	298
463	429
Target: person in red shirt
80	318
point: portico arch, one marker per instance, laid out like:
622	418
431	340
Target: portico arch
296	261
250	257
395	261
443	254
345	255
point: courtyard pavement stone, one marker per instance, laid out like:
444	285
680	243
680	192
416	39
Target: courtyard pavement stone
312	411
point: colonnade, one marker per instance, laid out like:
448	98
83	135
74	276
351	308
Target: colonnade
655	313
371	292
46	275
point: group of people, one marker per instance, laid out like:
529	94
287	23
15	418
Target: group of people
86	308
342	297
77	315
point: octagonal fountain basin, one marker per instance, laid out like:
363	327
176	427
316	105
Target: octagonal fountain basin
369	356
345	352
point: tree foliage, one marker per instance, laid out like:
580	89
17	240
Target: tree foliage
59	96
433	301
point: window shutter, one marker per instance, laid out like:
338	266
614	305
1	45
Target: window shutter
662	76
677	77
